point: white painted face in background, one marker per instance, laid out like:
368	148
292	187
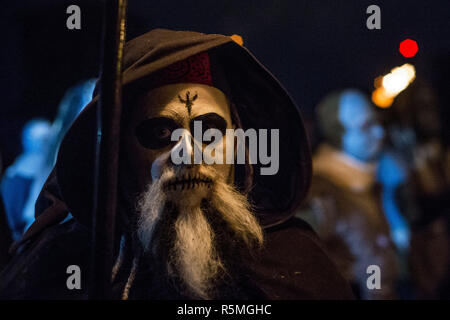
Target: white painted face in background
148	136
363	134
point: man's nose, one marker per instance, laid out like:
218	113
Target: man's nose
187	151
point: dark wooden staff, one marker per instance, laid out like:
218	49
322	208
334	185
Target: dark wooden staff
107	148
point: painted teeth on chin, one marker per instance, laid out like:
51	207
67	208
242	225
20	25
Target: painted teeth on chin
189	182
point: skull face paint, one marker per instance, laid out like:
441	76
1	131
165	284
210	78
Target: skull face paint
179	207
148	137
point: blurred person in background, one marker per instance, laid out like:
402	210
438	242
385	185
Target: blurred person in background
18	183
24	180
415	134
393	175
344	206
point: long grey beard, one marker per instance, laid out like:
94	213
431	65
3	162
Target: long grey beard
193	255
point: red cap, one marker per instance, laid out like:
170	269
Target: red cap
195	69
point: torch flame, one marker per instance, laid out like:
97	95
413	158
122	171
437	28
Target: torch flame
390	85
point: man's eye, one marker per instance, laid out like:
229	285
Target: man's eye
163	132
210	121
155	133
206	126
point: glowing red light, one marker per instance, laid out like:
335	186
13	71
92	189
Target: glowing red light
408	48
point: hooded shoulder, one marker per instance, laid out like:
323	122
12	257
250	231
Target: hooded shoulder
294	265
40	269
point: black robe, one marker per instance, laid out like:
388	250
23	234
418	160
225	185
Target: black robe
292	265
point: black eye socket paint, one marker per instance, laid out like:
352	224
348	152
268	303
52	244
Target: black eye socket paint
210	121
155	133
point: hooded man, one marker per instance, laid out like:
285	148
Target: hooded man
343	204
186	229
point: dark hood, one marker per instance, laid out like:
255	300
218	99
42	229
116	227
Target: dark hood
260	100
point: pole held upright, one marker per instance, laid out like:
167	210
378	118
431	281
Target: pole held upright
107	148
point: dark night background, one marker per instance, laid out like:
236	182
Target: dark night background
311	46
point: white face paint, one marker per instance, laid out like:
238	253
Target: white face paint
157	115
188	235
363	135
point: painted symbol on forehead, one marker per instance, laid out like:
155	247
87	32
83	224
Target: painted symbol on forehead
188	101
